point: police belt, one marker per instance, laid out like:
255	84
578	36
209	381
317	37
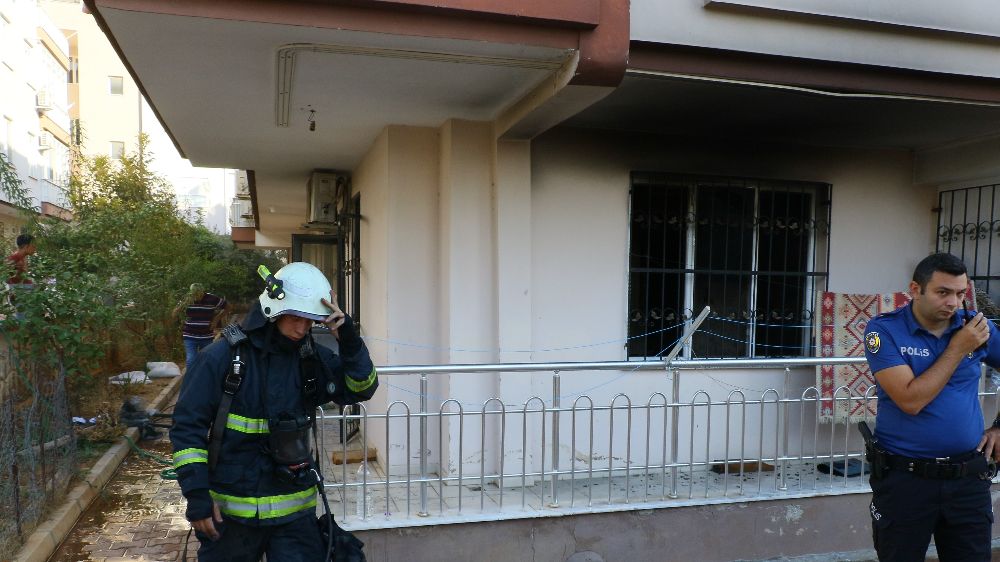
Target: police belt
972	463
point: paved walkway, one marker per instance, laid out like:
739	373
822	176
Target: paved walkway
138	517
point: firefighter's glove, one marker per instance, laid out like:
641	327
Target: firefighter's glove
199	504
350	341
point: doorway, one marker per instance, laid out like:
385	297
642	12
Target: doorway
323	251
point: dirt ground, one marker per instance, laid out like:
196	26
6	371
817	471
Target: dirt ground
94	440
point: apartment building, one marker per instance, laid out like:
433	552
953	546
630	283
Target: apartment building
575	181
109	112
34	107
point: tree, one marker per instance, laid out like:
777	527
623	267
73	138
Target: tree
118	267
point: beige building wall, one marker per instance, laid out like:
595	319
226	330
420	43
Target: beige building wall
430	292
580	182
371	180
105	117
476	251
881	226
918	34
398	184
963	164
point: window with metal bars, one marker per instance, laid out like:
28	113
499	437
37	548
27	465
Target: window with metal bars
352	261
753	250
969	227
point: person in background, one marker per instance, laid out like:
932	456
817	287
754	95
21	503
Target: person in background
201	310
19	260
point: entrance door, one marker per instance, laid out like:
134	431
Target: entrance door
326	253
323	251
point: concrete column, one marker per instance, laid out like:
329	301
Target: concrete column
512	191
467	285
398	182
413	298
512	216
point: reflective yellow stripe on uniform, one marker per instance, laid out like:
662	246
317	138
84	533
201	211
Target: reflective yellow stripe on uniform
361	386
267	507
188	456
246	425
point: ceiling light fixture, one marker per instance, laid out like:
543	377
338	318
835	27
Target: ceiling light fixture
311	118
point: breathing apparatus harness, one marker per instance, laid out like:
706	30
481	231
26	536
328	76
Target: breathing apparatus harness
288	435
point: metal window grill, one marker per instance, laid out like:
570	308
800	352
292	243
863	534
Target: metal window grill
969	227
352	261
352	296
753	250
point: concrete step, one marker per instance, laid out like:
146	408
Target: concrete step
867	555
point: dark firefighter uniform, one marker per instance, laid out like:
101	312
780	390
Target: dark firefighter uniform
244	484
933	484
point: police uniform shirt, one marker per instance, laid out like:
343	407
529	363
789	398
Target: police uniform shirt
952	422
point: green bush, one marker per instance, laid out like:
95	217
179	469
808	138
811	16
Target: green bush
121	264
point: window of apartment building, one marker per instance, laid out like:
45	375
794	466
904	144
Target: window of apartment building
116	85
753	250
73	72
6	130
57	164
33	170
193	196
116	150
75	132
28	63
5	33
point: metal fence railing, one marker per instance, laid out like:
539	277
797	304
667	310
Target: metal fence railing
38	453
442	460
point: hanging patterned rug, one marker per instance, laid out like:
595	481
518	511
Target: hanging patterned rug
843	320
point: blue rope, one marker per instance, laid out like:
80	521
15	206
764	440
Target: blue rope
501	350
547	402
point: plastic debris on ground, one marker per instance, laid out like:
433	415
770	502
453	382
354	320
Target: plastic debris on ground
131	377
162	369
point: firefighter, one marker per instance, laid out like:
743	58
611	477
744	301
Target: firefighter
242	421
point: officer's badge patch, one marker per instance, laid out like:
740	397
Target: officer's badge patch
872	342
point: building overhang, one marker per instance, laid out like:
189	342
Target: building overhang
287	86
243	236
717	94
242	84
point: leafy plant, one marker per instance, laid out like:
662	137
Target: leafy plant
116	270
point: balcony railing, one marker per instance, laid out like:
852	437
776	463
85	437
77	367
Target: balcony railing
241	212
451	461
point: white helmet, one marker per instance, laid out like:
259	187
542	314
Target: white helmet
295	289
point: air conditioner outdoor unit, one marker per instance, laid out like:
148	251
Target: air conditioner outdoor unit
325	190
42	101
45	141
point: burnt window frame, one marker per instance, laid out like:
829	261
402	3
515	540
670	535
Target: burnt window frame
756	329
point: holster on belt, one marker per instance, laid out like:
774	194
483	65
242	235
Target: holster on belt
878	459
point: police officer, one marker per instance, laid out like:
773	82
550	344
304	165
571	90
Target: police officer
932	473
260	496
